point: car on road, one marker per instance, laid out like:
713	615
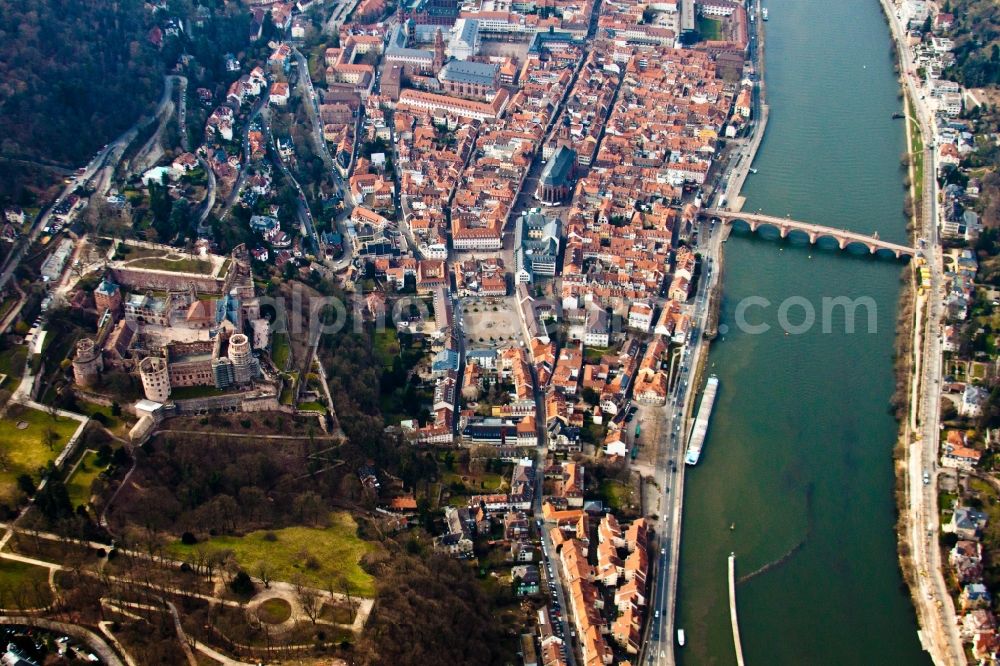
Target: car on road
927	478
663	551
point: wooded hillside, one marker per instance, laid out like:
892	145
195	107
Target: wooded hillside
73	75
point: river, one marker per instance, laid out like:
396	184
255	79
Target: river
800	446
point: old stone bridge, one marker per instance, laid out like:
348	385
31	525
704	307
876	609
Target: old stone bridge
786	225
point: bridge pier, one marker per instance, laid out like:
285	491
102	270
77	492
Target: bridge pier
754	225
843	242
813	237
784	231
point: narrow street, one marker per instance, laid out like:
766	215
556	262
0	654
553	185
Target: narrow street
310	99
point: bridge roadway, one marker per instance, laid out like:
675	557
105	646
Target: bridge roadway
786	225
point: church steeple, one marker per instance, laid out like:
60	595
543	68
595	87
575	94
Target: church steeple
438	51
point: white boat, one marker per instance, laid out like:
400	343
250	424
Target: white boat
763	13
697	437
680	637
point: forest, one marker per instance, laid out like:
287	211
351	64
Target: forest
73	75
975	33
432	611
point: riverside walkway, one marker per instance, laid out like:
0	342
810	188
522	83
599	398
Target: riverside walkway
786	225
732	610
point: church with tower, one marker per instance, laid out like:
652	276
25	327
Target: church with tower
434	70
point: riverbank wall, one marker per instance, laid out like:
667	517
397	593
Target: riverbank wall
914	306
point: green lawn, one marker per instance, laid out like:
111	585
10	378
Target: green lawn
917	144
386	346
478	483
12	364
78	485
338	613
709	29
274	611
991	507
200	266
280	350
616	494
594	354
92	408
7	305
312	407
19	575
27	449
188	392
317	554
288	393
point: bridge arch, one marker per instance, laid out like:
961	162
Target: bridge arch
886	252
858	246
798	236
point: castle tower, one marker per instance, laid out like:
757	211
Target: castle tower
108	296
155	378
87	363
438	51
242	358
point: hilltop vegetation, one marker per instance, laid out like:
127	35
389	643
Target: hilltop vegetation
976	33
431	611
73	75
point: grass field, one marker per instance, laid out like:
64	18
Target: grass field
78	485
709	29
12	364
316	554
386	344
19	575
288	393
594	354
616	494
274	611
917	155
189	392
991	507
338	613
91	409
280	350
179	266
479	483
28	449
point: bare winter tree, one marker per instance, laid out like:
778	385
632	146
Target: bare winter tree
308	597
264	570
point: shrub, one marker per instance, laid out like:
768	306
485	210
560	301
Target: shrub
242	584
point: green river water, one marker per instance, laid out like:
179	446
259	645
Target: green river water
800	445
